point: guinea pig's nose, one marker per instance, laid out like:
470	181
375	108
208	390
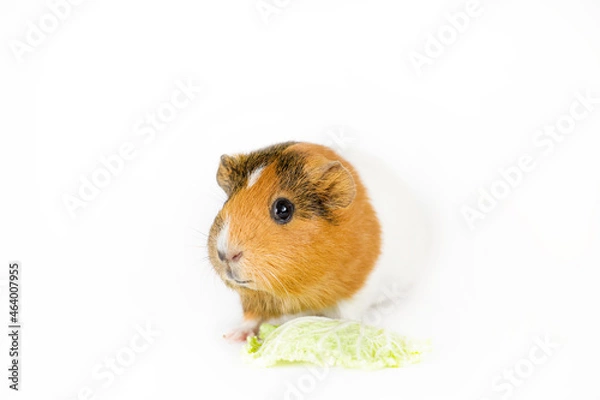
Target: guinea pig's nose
230	256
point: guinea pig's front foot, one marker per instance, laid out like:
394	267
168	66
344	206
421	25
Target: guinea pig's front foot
242	332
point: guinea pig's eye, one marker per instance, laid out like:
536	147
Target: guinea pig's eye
282	211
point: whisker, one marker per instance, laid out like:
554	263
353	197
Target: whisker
198	231
279	281
200	246
265	280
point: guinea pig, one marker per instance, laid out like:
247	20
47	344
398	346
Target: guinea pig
297	235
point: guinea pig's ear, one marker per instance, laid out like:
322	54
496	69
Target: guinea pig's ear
225	174
334	183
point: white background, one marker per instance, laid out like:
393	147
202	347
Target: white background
134	254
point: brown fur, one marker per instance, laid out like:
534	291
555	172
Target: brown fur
323	255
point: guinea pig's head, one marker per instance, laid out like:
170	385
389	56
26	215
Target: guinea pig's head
279	225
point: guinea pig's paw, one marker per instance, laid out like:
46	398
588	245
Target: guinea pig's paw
242	332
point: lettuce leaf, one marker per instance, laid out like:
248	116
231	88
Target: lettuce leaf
329	342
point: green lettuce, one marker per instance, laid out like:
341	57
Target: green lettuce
329	342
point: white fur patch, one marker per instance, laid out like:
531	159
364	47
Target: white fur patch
223	238
356	307
254	176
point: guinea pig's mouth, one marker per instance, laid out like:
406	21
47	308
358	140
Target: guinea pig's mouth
240	283
233	278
